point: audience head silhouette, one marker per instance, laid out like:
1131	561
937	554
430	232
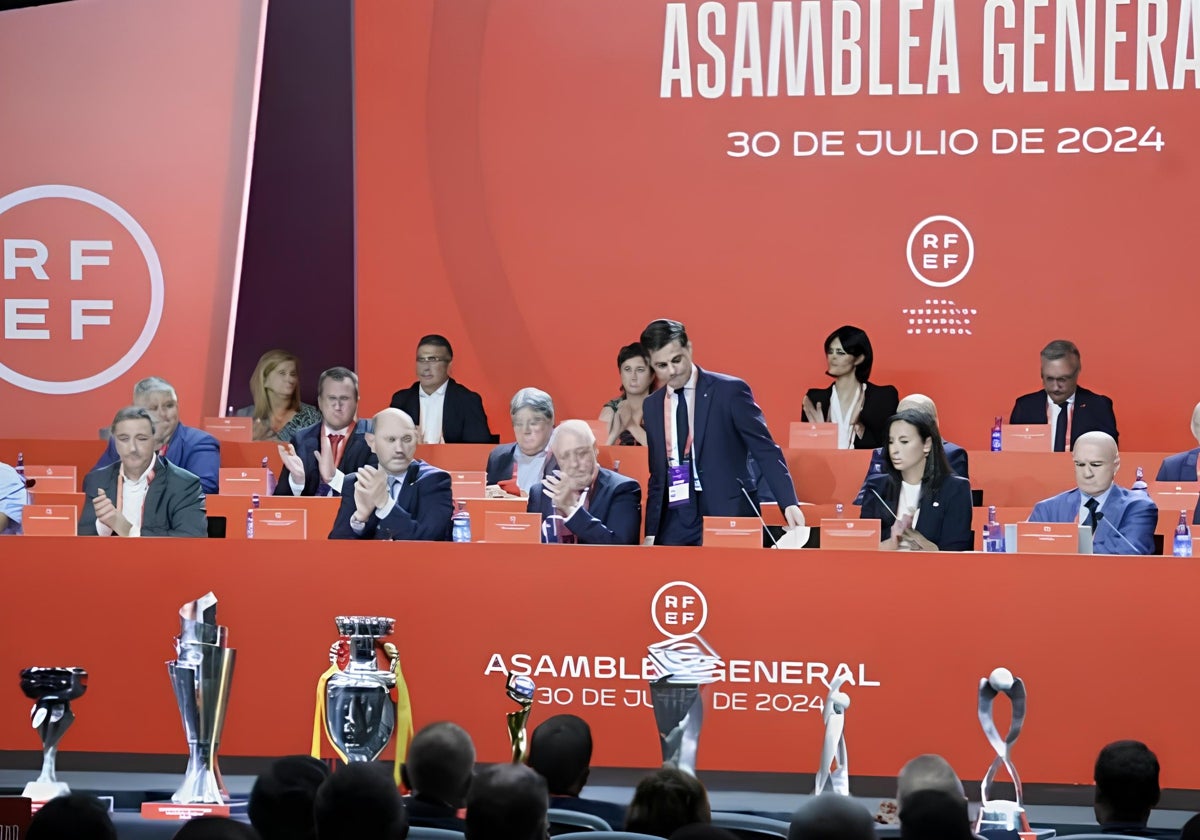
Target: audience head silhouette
440	763
281	801
360	802
507	802
665	801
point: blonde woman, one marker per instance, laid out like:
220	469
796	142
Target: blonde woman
277	410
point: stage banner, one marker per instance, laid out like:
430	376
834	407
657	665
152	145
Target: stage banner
965	179
128	136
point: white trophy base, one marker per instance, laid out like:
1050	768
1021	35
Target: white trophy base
1001	815
45	791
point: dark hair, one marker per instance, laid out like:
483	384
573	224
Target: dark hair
936	465
831	817
635	351
215	828
75	816
337	374
281	801
1060	348
131	412
560	751
658	334
665	801
934	815
855	343
435	340
1191	829
440	763
1126	778
507	802
360	802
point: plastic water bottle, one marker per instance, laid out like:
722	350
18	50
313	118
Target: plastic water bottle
460	524
996	435
839	510
254	502
1183	537
993	532
229	411
1139	483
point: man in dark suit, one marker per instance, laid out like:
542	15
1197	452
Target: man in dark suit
955	454
1122	521
596	506
1071	411
1127	790
514	468
560	750
445	411
438	770
401	499
320	456
141	494
1182	466
191	449
699	430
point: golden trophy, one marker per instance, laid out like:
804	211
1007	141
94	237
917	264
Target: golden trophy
520	690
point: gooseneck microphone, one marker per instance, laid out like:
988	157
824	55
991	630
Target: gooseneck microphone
1099	517
757	513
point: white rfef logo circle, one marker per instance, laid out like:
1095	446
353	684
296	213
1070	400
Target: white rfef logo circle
679	609
940	251
157	291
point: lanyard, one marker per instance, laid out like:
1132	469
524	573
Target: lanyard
1069	407
669	430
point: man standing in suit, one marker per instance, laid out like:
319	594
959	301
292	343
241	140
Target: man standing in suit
446	411
699	430
955	454
401	499
141	494
191	449
1182	466
1071	411
1122	521
320	456
596	506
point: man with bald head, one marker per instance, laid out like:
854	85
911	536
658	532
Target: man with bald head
927	772
955	454
1122	521
582	502
1182	467
401	499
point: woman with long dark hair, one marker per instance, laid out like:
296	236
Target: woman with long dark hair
857	406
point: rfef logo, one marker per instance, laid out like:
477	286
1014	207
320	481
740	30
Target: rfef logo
82	289
679	609
940	251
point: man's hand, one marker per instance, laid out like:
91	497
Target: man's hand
326	464
815	413
107	513
370	491
560	491
291	462
794	516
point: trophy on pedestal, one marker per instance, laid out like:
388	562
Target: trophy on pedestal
834	746
684	667
52	690
520	690
1001	814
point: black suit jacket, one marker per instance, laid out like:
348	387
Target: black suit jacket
463	417
613	515
945	514
955	454
174	504
879	403
1093	413
1179	467
307	442
422	511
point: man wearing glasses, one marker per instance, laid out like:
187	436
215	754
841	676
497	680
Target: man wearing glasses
446	411
320	456
1070	411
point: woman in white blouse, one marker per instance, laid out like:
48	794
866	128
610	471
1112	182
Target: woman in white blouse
859	408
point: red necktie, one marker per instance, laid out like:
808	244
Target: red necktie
335	445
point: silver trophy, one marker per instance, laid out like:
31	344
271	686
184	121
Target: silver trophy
201	675
685	666
52	690
833	748
360	697
1001	814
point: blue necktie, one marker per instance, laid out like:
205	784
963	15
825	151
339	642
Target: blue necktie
681	426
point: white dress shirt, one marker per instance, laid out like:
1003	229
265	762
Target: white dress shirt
910	499
431	413
133	502
1053	409
689	391
529	467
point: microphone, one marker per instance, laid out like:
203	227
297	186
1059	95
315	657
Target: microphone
1099	517
895	518
757	513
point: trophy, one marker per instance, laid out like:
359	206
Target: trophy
834	746
685	666
52	690
1000	814
201	675
520	690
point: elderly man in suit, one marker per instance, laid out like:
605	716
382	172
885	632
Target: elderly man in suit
1122	520
142	494
320	456
445	411
1182	466
590	504
1070	411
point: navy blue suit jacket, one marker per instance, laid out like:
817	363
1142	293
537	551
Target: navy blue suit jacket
191	449
463	417
1179	467
945	513
1093	413
1133	514
955	454
174	505
879	403
613	515
307	443
728	426
422	511
500	463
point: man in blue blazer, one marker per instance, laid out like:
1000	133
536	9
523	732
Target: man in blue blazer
445	411
1122	521
596	506
1182	466
699	430
1061	403
955	454
320	456
191	449
401	499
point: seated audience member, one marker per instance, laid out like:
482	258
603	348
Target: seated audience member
935	815
320	456
927	772
401	499
191	449
1191	829
1069	410
507	802
513	468
142	494
281	801
275	386
1126	776
438	771
703	831
215	828
360	802
624	414
76	816
956	456
1182	467
933	504
560	750
1122	521
445	411
860	408
13	498
592	505
665	801
831	818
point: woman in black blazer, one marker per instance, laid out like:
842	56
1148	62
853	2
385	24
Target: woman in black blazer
918	484
862	408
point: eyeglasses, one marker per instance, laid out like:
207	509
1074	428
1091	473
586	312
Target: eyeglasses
1061	380
430	360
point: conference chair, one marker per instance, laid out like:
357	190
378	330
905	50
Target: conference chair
605	835
750	826
569	822
420	832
